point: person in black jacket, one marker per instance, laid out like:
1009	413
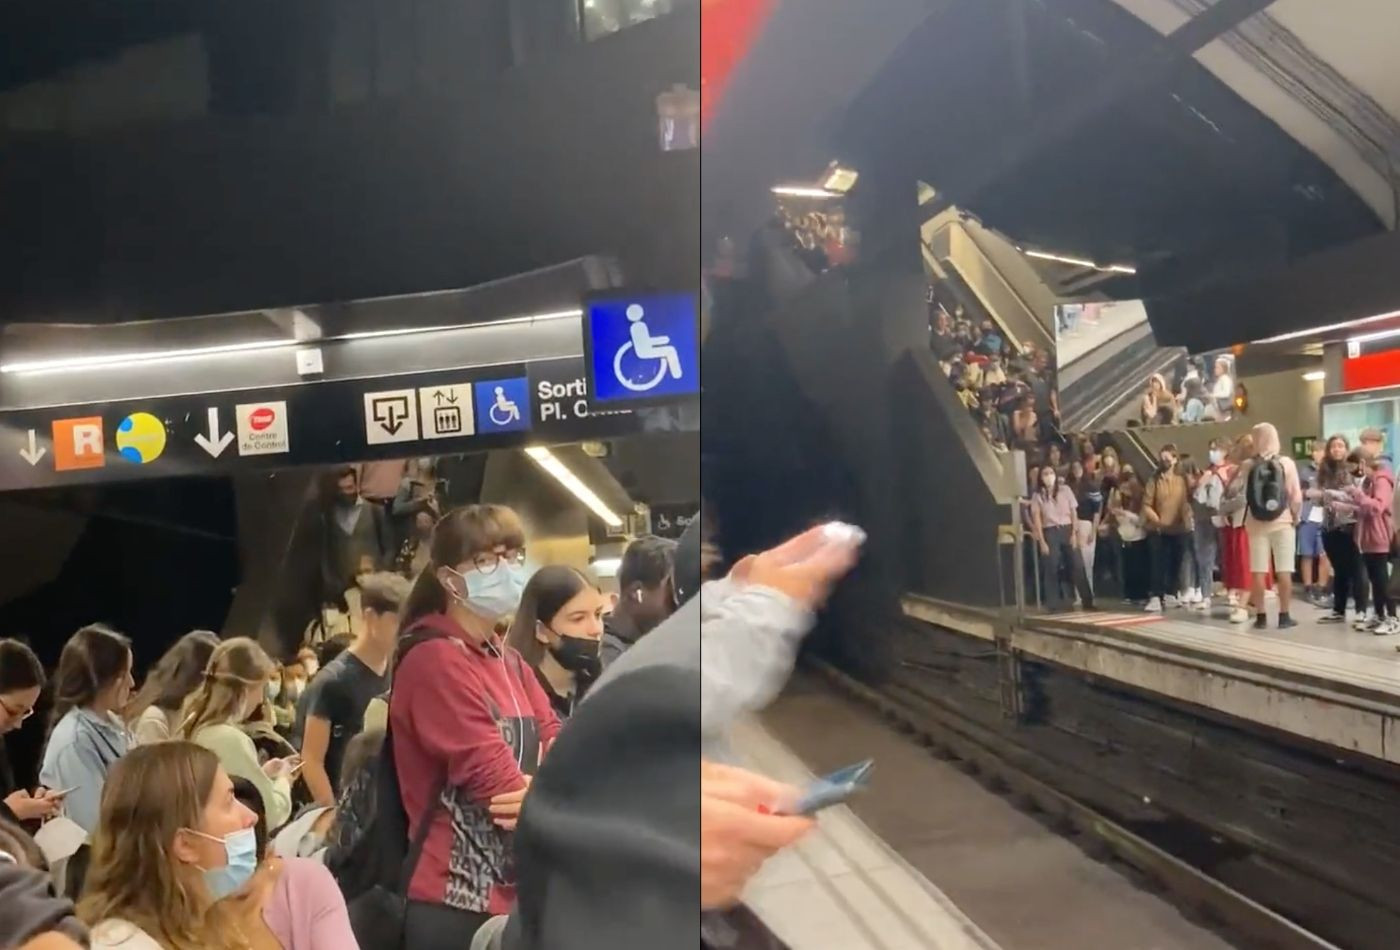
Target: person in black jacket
21	681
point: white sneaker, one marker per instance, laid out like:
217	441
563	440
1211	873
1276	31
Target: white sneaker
1203	605
1239	615
1154	606
1170	603
1386	628
1232	599
1364	623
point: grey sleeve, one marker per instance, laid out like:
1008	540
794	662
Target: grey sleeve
29	907
749	638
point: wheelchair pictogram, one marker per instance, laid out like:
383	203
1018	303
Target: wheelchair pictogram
645	348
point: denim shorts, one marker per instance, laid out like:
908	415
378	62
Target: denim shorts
1310	539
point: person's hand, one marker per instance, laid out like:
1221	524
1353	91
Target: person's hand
1044	549
505	808
805	568
27	807
736	837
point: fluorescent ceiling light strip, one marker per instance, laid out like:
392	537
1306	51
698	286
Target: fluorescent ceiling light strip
548	461
119	360
1299	334
1081	262
1316	375
803	191
404	331
132	359
607	566
1373	337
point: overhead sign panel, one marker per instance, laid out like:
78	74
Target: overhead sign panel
320	423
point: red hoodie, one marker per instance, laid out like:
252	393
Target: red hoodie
476	716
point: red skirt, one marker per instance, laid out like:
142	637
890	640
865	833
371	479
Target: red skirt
1234	560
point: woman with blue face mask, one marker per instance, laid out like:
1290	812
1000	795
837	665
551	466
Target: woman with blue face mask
177	866
468	722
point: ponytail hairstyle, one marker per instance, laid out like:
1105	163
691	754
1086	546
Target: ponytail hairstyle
175	676
235	667
459	535
91	660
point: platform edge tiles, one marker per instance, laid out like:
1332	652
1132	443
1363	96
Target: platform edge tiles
843	886
1338	699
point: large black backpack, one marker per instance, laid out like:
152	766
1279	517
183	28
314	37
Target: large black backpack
1264	492
370	856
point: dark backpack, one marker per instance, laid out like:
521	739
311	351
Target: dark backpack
1264	491
371	857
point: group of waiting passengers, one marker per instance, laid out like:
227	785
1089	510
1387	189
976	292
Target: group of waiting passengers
1248	515
195	840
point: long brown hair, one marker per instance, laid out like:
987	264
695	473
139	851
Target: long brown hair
91	660
548	591
150	794
235	665
174	676
461	533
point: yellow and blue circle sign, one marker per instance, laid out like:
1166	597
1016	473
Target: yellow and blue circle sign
141	438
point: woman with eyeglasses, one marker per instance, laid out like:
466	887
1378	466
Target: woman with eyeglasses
467	725
21	681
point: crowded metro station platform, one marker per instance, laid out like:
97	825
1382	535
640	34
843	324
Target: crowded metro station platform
1023	576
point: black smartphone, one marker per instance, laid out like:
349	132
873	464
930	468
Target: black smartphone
833	789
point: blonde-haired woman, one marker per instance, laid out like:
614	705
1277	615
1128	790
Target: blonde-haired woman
175	866
213	716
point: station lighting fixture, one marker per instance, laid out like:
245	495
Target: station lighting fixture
803	191
607	566
561	473
1316	376
124	360
1372	337
1332	327
839	179
1081	262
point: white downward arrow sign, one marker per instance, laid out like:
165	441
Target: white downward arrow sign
32	452
214	443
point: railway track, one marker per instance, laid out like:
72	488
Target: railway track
947	735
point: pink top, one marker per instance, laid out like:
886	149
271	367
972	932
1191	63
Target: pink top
306	911
1057	511
1376	524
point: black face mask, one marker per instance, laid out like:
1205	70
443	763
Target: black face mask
1165	464
577	654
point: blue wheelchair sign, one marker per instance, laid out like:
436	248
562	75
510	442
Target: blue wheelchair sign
642	347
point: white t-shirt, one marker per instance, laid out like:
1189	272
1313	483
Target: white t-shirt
117	934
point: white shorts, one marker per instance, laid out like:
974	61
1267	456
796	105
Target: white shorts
1275	542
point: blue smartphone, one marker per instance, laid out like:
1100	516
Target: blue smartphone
833	789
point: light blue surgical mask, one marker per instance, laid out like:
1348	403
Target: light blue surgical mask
241	852
491	595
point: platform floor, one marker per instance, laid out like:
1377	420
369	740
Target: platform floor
1336	653
843	886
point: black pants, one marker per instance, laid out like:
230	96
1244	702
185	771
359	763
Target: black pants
1377	569
439	927
1347	579
1167	553
1063	554
1108	567
1137	571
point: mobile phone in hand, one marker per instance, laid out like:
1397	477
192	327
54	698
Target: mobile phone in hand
832	789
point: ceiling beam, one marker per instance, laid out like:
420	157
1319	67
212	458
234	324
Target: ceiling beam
1128	76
